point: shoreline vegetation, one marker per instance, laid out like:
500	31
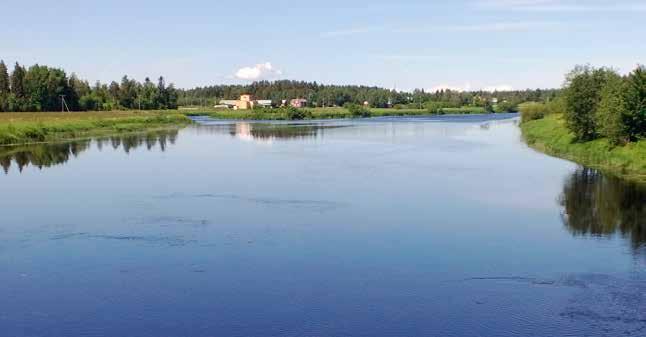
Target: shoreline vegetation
551	136
21	128
598	120
29	128
354	111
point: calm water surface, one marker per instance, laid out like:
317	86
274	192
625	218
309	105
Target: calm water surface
445	226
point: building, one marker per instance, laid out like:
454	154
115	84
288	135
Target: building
246	102
265	103
298	103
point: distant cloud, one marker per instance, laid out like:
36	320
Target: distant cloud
560	6
501	87
258	72
465	87
468	87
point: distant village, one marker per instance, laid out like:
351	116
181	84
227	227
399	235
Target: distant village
248	101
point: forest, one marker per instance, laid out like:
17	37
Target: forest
322	95
41	88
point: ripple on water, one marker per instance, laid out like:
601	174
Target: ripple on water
604	305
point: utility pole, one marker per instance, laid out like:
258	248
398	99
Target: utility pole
64	104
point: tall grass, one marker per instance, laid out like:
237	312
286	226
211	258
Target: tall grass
21	128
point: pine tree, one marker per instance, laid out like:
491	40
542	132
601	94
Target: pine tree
18	81
4	79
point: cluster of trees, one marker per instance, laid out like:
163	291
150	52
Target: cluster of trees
320	95
39	88
599	102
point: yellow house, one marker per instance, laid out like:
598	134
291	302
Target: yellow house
246	102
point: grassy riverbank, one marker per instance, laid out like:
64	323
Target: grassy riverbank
320	113
24	128
551	136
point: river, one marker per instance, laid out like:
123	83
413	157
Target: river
442	226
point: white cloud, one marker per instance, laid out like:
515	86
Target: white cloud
468	87
258	72
465	87
501	87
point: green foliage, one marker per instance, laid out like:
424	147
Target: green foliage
39	88
5	86
505	106
488	107
18	81
21	128
556	105
552	136
438	107
582	96
298	114
611	110
635	100
358	111
530	111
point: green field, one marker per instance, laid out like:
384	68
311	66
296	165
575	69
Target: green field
38	127
320	113
551	136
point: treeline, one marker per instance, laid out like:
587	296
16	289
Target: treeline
599	103
321	95
39	88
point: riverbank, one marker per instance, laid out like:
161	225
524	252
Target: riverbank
38	127
550	135
322	113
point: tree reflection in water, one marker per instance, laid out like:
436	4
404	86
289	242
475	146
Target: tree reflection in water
51	154
603	206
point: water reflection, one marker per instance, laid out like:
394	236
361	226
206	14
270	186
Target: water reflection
269	132
52	154
598	205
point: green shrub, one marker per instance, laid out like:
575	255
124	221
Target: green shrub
357	110
635	99
582	97
298	114
530	111
611	111
505	106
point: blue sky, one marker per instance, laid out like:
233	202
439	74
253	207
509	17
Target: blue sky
466	44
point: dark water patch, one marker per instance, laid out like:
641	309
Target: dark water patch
597	205
52	154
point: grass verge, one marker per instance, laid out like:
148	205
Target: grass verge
26	128
321	113
550	135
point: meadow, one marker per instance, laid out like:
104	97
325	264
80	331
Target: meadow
26	127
